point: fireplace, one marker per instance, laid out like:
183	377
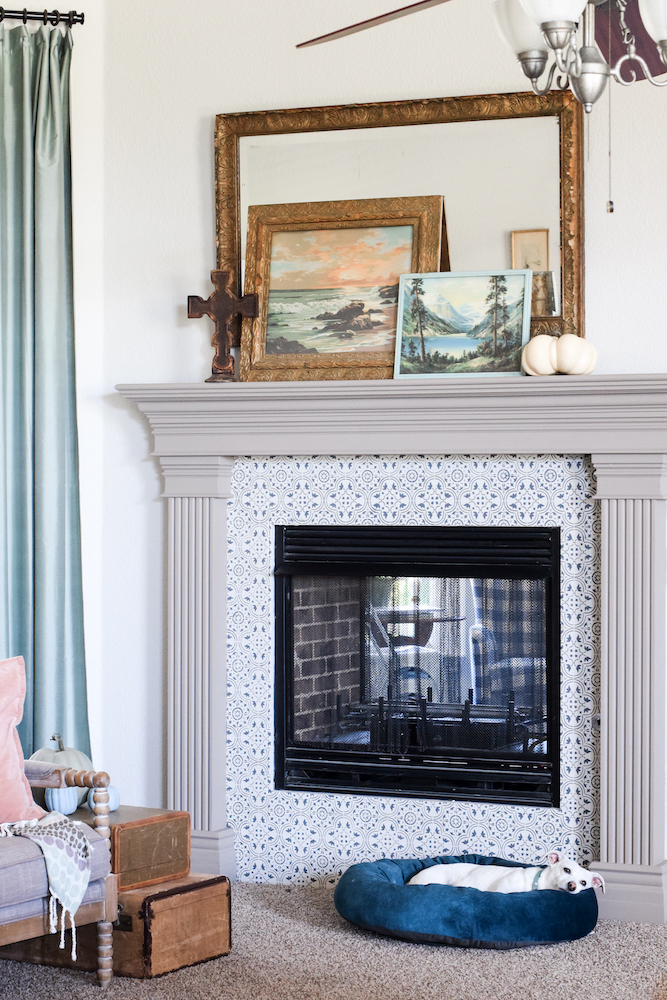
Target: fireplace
587	454
419	661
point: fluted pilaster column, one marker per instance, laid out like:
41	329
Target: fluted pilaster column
196	491
631	490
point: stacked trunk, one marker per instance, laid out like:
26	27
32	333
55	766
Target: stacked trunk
167	919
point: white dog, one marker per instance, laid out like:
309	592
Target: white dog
561	874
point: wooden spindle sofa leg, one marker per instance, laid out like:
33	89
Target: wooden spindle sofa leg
104	953
105	933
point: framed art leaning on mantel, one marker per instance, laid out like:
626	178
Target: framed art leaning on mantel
456	324
326	275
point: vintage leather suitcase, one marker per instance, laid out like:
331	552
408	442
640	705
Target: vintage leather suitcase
158	930
171	926
148	846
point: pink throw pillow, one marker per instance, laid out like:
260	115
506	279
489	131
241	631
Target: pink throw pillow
16	800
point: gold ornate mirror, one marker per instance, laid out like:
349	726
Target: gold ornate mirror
504	163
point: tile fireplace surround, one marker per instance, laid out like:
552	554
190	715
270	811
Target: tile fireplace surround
610	431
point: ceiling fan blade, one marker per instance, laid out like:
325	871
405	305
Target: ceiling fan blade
412	8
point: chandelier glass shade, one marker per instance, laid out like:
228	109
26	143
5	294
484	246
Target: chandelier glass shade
543	11
654	16
517	29
534	29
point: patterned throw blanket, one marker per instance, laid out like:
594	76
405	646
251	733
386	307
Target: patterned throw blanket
67	854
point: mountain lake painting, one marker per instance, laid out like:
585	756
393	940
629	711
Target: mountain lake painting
336	290
462	323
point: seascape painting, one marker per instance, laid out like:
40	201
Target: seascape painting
336	290
462	324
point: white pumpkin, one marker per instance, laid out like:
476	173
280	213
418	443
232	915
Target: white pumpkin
66	757
576	356
539	355
569	355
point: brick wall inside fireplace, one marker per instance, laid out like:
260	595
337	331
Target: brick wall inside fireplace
326	654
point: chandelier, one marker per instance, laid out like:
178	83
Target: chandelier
535	29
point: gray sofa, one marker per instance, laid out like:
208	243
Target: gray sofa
24	893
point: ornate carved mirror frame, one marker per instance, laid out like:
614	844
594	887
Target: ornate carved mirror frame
231	128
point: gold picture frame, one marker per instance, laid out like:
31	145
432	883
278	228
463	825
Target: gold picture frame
232	128
326	275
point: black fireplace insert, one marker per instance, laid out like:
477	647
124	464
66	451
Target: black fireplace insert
419	661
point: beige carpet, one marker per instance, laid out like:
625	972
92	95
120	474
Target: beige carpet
290	944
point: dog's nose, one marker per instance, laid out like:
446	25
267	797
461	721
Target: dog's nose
571	886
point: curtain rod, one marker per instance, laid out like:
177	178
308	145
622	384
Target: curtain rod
45	16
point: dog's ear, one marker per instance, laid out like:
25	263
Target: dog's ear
598	881
553	857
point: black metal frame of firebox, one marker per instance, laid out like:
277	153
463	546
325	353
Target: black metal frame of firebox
443	773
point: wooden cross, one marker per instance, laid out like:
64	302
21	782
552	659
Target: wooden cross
221	306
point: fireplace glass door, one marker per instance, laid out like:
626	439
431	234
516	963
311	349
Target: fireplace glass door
424	682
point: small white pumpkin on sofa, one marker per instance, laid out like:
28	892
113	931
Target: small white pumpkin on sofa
566	355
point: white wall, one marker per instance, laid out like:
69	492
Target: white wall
147	83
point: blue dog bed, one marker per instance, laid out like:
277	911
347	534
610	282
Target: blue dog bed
374	895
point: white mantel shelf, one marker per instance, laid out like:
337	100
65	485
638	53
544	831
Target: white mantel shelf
619	420
603	414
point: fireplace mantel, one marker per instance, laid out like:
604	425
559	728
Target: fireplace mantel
619	420
475	415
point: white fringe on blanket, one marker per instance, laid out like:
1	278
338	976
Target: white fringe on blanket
67	853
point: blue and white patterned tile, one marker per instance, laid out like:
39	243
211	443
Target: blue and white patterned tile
254	783
434	500
480	502
344	840
257	870
259	833
431	840
301	873
255	695
301	836
478	840
390	501
388	839
322	834
255	738
528	846
302	500
255	594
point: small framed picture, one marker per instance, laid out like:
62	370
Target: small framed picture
467	323
530	248
326	274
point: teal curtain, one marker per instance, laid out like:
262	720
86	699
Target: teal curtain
41	601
